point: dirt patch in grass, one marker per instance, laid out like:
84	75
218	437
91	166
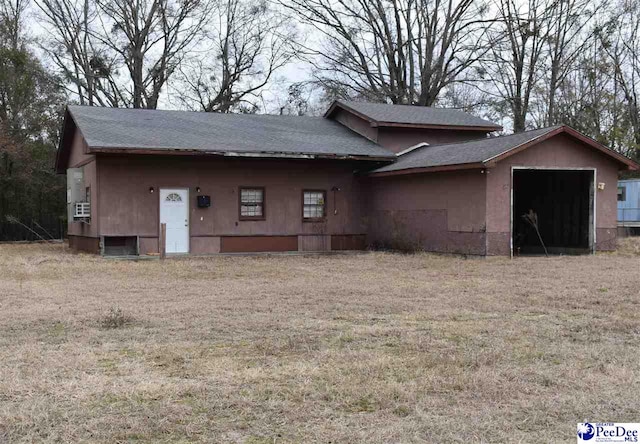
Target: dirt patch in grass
369	348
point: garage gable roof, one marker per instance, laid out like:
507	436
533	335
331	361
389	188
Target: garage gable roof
119	130
486	152
383	114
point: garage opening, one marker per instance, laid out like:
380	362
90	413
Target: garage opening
563	204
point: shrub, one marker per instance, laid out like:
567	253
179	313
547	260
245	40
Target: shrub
114	318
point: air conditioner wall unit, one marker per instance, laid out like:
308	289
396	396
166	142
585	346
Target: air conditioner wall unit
82	210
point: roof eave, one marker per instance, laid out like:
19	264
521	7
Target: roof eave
432	169
63	143
445	127
236	154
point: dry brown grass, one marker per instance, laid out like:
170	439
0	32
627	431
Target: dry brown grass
368	348
629	246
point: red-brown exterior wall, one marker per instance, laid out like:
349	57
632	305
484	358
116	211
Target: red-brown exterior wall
77	154
398	139
84	244
443	212
83	236
470	211
558	152
355	123
129	209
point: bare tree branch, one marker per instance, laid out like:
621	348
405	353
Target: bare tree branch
401	51
93	39
252	42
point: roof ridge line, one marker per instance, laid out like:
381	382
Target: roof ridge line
188	111
406	104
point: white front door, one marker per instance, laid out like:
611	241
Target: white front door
174	211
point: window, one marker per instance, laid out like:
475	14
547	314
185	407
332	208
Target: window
252	203
314	205
173	197
622	194
87	194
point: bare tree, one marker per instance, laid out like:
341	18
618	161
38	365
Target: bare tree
94	39
469	98
621	42
74	50
513	67
590	98
11	22
586	97
568	36
402	51
151	38
251	42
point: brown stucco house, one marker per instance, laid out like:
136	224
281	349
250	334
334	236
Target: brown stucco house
364	175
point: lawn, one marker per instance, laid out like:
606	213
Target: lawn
376	347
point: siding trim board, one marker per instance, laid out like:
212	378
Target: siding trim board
348	242
258	244
265	244
84	244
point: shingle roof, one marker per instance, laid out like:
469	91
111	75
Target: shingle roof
383	113
472	152
220	133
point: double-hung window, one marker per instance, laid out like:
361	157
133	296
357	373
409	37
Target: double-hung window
314	205
252	203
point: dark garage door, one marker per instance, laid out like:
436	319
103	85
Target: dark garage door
563	203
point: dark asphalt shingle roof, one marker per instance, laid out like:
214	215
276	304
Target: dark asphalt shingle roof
475	151
211	132
419	115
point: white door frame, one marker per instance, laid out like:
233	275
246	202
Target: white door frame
160	189
592	216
